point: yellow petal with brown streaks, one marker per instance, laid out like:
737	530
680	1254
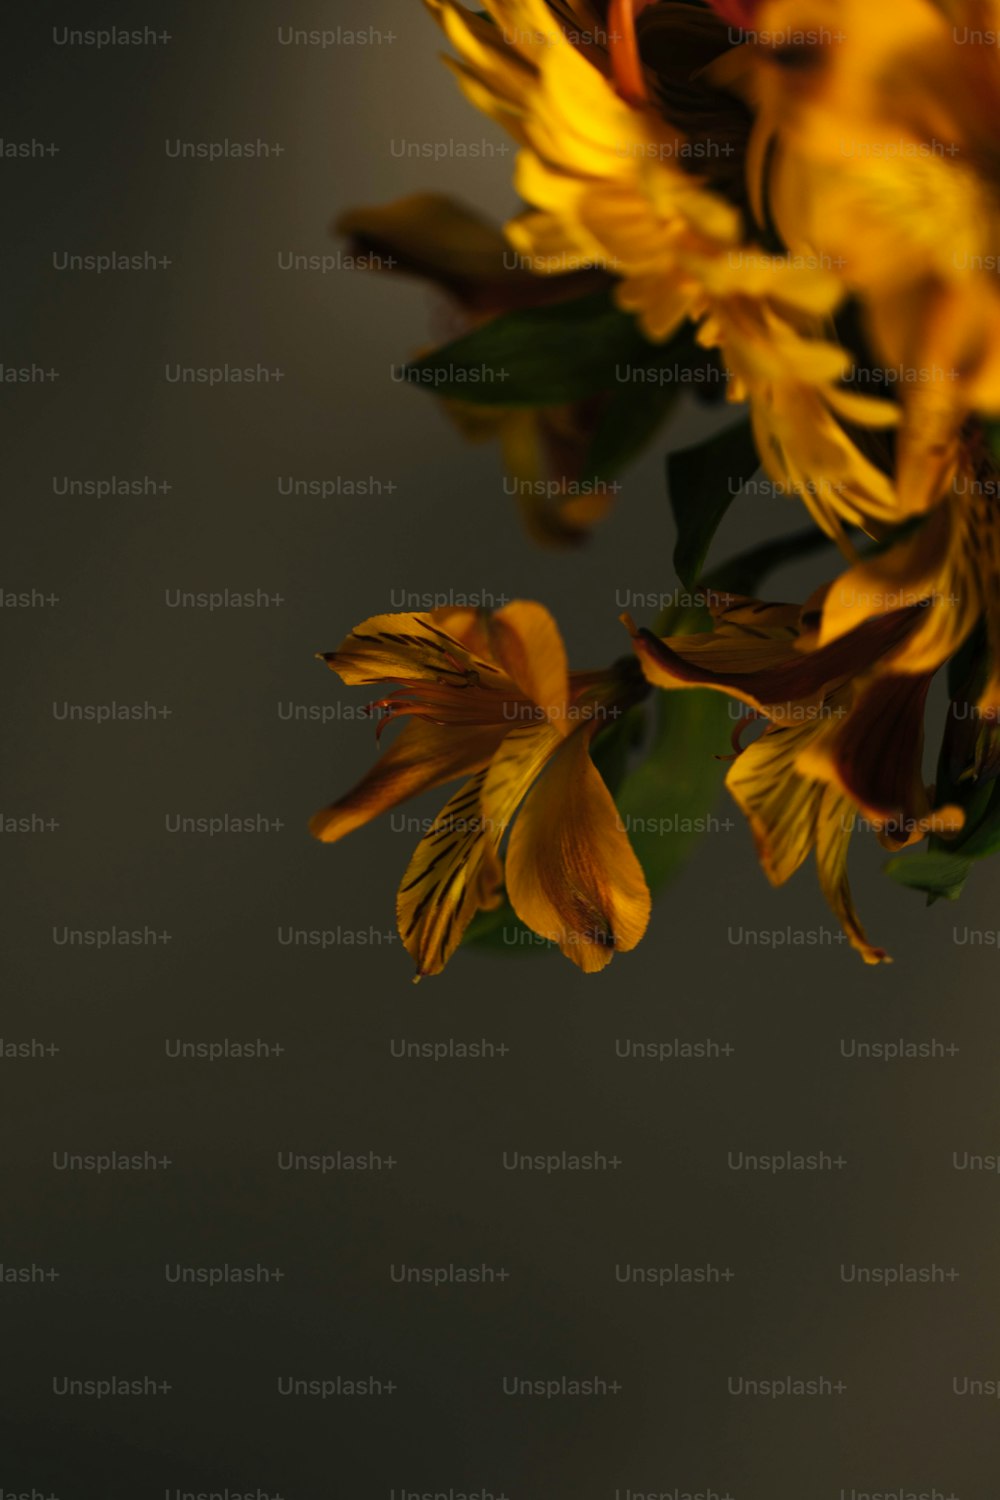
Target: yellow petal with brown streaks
423	756
834	824
572	875
453	871
780	804
413	648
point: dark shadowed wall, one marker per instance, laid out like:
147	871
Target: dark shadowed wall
92	1259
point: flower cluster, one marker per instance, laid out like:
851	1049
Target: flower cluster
794	202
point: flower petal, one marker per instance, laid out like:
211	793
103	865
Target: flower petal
455	869
572	875
780	804
834	824
875	757
939	566
760	664
451	874
526	643
423	756
433	236
790	811
414	648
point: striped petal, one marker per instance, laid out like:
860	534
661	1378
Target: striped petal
415	648
874	756
834	824
780	805
760	663
790	813
454	870
938	568
422	757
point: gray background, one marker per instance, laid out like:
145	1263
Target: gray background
225	749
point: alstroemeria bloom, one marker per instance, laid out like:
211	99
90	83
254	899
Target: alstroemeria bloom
488	696
611	183
845	736
605	177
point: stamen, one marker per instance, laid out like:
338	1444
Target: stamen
737	735
623	47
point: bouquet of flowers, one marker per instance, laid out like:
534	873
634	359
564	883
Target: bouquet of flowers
792	205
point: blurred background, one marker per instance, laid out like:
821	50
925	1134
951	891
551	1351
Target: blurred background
229	722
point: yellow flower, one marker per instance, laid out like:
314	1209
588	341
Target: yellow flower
489	697
874	149
845	736
604	177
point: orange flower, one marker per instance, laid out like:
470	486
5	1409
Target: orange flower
845	736
489	697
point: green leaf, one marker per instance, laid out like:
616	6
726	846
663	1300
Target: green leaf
613	746
626	426
541	356
503	929
981	835
701	483
637	408
666	803
940	875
